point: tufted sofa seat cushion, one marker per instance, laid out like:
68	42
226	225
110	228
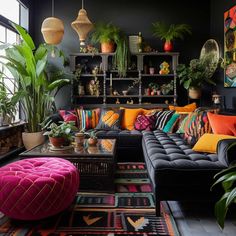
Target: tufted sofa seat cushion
36	188
171	162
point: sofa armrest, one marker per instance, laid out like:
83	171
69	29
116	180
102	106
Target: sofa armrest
226	156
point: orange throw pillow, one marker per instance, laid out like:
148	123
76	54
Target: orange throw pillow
222	124
129	117
188	108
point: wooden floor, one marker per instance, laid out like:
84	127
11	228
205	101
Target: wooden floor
197	219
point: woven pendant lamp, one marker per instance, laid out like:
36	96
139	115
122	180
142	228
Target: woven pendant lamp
82	25
52	29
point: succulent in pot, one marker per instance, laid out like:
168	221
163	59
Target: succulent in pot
60	134
92	141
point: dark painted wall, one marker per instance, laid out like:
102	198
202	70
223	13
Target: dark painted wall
132	16
218	7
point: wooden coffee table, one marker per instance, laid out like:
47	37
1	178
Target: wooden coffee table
96	164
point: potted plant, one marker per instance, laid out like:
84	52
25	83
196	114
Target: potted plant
7	106
60	134
167	88
169	33
92	140
36	89
227	179
110	36
196	74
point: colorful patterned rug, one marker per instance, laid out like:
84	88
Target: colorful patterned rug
129	211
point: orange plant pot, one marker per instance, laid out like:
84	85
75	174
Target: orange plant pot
108	47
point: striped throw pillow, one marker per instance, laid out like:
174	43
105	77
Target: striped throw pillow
162	117
88	119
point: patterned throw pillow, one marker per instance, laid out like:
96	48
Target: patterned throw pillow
88	119
198	124
162	117
68	115
145	122
110	119
170	124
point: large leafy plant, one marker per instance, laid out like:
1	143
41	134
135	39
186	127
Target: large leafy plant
36	89
198	72
227	179
170	32
107	32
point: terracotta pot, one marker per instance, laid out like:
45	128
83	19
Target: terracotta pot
168	46
92	141
194	93
57	142
108	47
31	140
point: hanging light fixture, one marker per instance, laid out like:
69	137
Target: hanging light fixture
82	25
52	29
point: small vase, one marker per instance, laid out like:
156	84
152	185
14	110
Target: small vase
151	70
168	46
79	139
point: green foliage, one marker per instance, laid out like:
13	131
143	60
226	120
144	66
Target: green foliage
36	89
170	32
198	72
107	32
62	130
227	179
167	88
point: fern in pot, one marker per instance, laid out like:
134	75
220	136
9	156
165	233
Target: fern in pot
112	39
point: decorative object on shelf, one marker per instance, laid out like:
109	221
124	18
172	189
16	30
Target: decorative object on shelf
94	87
52	29
167	88
88	49
37	99
154	89
230	47
140	42
218	100
115	93
151	68
133	43
108	35
130	102
92	141
199	71
169	33
61	134
117	101
125	92
82	25
164	68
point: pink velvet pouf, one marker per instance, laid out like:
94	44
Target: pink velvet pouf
37	188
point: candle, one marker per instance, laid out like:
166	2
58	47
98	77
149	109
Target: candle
111	80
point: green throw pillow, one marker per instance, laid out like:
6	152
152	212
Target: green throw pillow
170	123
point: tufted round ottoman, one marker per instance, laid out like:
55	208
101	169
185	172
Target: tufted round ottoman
36	188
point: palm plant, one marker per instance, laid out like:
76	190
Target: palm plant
36	89
170	32
227	178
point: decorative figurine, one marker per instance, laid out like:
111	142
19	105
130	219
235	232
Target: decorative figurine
93	87
117	101
164	68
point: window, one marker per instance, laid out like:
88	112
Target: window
14	11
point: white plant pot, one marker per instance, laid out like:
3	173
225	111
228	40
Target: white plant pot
31	140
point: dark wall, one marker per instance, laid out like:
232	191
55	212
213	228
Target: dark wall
132	16
218	7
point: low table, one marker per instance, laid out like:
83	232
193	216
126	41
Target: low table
96	164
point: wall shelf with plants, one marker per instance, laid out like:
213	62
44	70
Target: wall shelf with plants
111	88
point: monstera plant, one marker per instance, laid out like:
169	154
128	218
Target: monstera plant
36	89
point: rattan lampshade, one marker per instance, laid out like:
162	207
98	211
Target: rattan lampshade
52	30
82	25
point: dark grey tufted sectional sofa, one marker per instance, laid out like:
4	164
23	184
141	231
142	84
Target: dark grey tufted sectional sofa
179	173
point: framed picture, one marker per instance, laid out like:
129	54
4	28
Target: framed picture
230	47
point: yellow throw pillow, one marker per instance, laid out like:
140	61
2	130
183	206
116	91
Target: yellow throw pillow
129	117
208	142
188	108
